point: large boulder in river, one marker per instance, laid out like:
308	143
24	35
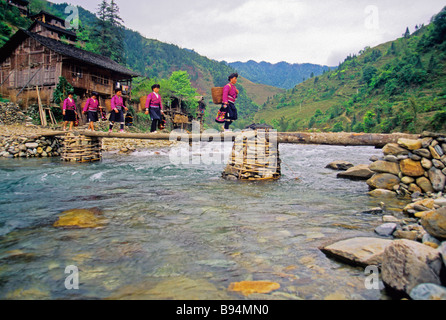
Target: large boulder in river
385	167
411	168
340	165
385	181
358	251
361	172
407	264
434	222
394	149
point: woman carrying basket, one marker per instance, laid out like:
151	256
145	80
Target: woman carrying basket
230	94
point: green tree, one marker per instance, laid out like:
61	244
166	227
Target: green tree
61	91
108	32
407	33
368	74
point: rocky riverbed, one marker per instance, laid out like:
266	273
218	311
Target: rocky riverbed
410	247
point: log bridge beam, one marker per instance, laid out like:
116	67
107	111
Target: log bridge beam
335	139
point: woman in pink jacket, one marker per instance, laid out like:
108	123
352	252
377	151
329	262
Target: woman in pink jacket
69	111
230	94
154	107
117	110
91	110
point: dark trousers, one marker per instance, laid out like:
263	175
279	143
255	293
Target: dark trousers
227	124
155	124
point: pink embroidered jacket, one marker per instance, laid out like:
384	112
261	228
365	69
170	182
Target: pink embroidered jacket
69	104
229	93
154	101
91	105
117	103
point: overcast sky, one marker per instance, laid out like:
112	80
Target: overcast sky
307	31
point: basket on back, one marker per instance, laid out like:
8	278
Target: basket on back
217	95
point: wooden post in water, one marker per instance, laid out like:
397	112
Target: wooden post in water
79	148
255	156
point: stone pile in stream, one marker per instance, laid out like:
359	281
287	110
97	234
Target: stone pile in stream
29	147
412	167
409	250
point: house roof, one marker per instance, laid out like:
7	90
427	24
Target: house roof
21	2
49	15
66	50
53	28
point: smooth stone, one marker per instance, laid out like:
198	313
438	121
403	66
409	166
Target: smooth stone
360	172
423	153
426	163
425	184
394	149
385	167
382	193
383	181
411	168
340	165
31	145
434	222
358	251
386	230
407	264
428	291
410	144
437	178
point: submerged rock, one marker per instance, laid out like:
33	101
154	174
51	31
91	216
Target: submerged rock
81	218
249	287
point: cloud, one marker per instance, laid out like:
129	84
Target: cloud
315	31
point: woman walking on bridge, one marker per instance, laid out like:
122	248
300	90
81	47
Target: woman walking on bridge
91	110
117	110
154	106
230	94
69	111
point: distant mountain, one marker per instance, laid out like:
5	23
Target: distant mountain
282	75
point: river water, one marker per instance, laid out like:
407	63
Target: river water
178	231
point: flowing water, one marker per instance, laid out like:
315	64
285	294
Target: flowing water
180	231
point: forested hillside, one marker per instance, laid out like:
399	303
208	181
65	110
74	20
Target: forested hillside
282	75
396	86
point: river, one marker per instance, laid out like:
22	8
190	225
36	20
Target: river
180	231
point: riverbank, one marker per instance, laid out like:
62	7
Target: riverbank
410	252
28	141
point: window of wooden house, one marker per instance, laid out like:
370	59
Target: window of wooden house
7	63
100	80
76	72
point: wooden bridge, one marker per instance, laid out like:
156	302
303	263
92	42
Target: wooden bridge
255	154
336	139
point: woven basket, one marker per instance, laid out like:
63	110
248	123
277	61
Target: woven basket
217	95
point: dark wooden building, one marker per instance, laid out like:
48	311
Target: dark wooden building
37	59
22	5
